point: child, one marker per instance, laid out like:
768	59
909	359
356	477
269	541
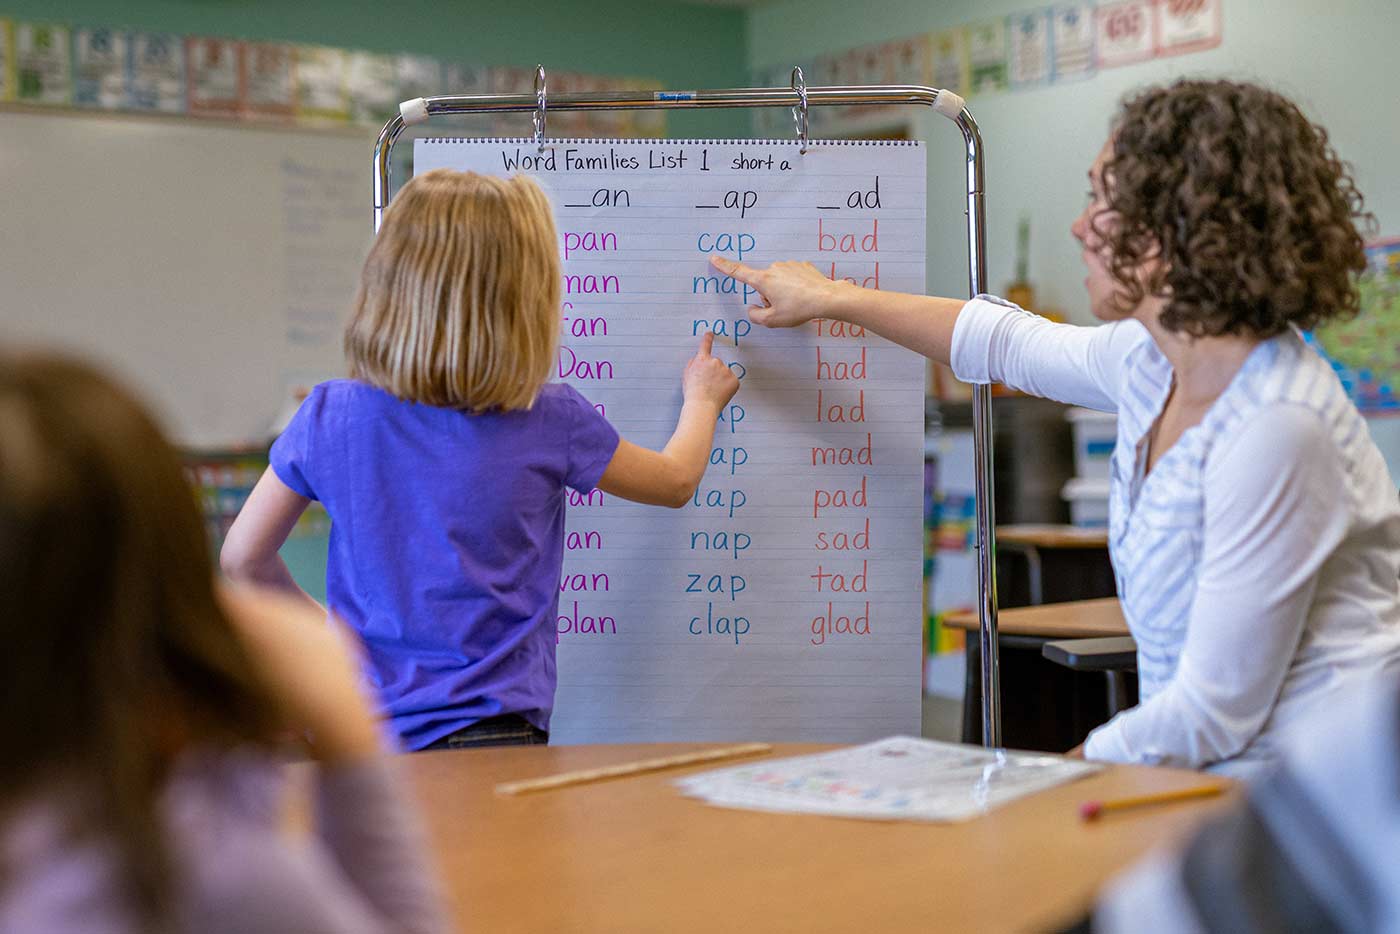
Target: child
443	463
140	706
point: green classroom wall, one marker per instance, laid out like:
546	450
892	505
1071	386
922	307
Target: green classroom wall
681	45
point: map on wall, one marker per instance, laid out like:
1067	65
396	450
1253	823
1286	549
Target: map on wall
1364	350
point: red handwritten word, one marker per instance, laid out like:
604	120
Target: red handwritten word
836	412
839	370
839	499
841	583
830	623
848	242
827	328
845	541
869	282
845	456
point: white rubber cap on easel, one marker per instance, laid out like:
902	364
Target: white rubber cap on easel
948	104
416	111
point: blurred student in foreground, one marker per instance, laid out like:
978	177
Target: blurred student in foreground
142	706
1314	847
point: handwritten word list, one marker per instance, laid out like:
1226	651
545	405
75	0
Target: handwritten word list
782	602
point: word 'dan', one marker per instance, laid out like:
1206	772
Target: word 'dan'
572	365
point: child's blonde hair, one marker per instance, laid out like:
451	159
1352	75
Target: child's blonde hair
459	301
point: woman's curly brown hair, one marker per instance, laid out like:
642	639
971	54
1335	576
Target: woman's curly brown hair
1254	215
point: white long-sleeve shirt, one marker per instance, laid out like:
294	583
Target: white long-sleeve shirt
1258	564
1311	848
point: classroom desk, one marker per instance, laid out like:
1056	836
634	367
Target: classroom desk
1077	560
1078	619
634	855
1044	706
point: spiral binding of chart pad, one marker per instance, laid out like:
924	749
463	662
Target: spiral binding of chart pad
554	140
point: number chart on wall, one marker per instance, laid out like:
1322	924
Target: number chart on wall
783	602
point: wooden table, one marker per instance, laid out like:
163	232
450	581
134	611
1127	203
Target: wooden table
1079	619
634	855
1052	536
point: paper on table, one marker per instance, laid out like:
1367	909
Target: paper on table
901	777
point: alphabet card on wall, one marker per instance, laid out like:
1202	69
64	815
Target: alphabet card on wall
783	602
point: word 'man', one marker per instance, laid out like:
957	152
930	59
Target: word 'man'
591	285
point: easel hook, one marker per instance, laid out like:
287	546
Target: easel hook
799	113
541	105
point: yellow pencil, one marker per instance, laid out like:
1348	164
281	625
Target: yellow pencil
1091	810
622	770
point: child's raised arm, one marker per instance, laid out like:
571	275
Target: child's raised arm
669	477
249	553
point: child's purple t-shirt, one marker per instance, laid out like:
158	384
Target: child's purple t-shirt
447	538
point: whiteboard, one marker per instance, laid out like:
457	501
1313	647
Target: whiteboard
210	265
737	616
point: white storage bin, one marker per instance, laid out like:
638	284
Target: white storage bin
1094	435
1088	502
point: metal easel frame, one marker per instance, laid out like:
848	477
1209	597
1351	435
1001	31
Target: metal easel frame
799	97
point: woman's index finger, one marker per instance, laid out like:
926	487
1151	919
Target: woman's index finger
736	270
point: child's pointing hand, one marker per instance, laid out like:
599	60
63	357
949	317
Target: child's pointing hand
707	379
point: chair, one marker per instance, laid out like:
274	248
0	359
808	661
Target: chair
1113	656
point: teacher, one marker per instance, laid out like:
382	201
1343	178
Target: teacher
1254	527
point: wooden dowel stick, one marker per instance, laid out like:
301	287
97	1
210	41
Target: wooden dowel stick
624	769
